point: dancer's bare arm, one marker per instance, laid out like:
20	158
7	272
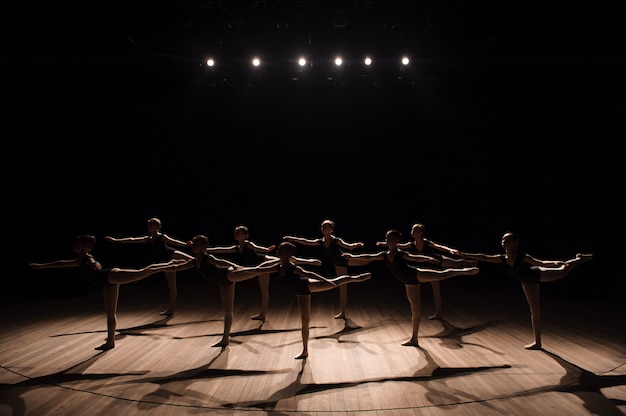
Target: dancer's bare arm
487	258
143	239
57	264
302	240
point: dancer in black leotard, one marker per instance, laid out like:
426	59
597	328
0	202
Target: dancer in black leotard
530	271
160	249
224	274
304	282
331	248
109	279
249	253
397	262
421	245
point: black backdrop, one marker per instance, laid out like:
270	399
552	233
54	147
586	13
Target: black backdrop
472	148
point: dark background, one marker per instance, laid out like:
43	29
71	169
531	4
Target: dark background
510	118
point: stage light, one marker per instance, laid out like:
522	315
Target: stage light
338	61
367	61
301	61
256	61
405	60
210	62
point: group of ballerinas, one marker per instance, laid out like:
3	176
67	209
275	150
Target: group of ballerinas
436	261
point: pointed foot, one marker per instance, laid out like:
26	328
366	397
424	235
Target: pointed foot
105	347
258	317
533	346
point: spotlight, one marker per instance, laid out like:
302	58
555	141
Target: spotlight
405	60
210	62
301	61
367	61
256	61
338	61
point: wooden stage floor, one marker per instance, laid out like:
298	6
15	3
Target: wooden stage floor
471	363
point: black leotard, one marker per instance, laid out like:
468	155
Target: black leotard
248	256
94	276
212	273
158	250
401	269
289	278
333	252
428	250
521	270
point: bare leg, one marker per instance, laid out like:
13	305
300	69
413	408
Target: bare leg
436	286
533	292
343	302
264	285
304	304
122	276
110	295
323	285
446	263
343	293
430	275
413	294
551	274
449	262
170	277
227	294
245	273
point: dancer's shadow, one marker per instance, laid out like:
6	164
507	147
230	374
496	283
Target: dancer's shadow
139	330
280	394
448	394
456	335
169	386
11	394
259	330
300	389
587	386
350	327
